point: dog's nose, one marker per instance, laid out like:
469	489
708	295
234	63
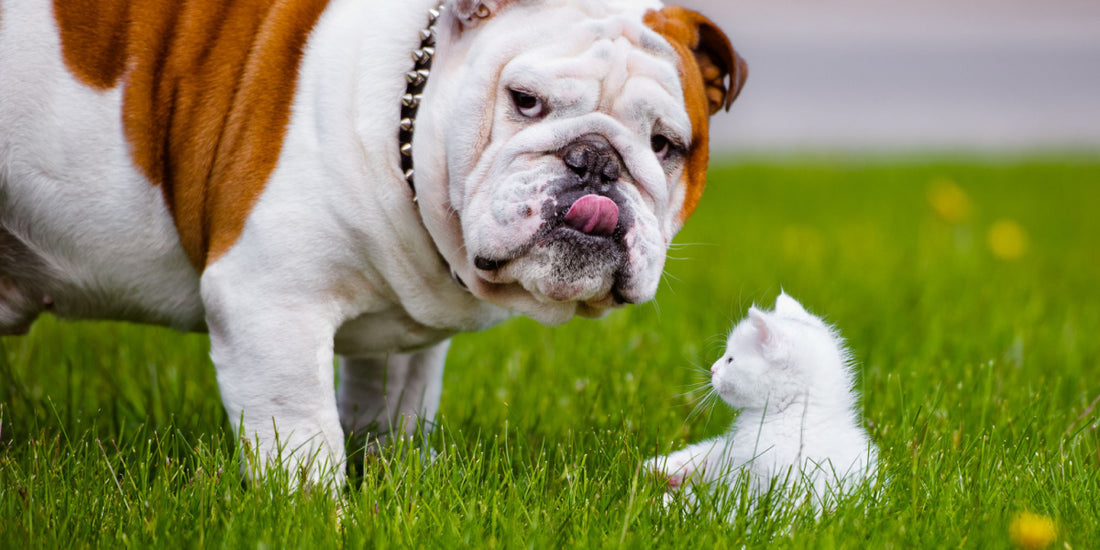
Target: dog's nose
594	160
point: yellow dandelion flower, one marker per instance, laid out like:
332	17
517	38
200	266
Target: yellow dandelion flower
1007	240
1032	531
949	201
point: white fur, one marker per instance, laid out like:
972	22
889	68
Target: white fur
335	258
791	376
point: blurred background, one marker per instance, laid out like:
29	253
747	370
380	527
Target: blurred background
912	76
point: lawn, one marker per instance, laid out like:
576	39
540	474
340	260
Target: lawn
968	291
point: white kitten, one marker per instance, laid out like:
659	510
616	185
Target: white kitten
791	376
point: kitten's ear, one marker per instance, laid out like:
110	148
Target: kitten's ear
789	307
769	340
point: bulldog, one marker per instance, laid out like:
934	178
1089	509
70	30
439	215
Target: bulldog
362	178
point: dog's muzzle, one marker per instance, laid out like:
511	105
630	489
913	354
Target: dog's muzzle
580	245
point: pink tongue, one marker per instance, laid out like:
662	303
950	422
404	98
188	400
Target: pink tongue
594	215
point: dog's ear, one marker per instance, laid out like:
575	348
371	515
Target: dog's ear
723	72
470	12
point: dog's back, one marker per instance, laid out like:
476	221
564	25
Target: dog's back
81	230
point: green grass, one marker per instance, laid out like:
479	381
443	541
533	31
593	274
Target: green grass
977	373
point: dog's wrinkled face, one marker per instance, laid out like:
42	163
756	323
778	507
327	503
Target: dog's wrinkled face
569	136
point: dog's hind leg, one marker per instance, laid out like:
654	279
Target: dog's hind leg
391	396
23	280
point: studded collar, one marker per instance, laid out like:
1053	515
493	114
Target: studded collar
415	81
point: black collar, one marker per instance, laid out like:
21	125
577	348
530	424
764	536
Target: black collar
416	80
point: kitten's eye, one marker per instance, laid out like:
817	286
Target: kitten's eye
528	105
660	144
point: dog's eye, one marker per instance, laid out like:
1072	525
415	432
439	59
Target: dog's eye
527	104
660	145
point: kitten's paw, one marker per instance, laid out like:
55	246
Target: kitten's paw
674	471
676	480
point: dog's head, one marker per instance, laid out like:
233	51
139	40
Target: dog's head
563	143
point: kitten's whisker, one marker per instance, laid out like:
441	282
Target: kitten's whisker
693	389
694	367
705	404
700	382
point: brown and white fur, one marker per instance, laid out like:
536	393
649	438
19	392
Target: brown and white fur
233	167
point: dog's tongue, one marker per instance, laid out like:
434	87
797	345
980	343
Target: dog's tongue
594	215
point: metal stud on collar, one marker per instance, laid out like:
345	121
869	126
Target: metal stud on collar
415	81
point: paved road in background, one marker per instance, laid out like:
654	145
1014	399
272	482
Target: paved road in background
919	74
